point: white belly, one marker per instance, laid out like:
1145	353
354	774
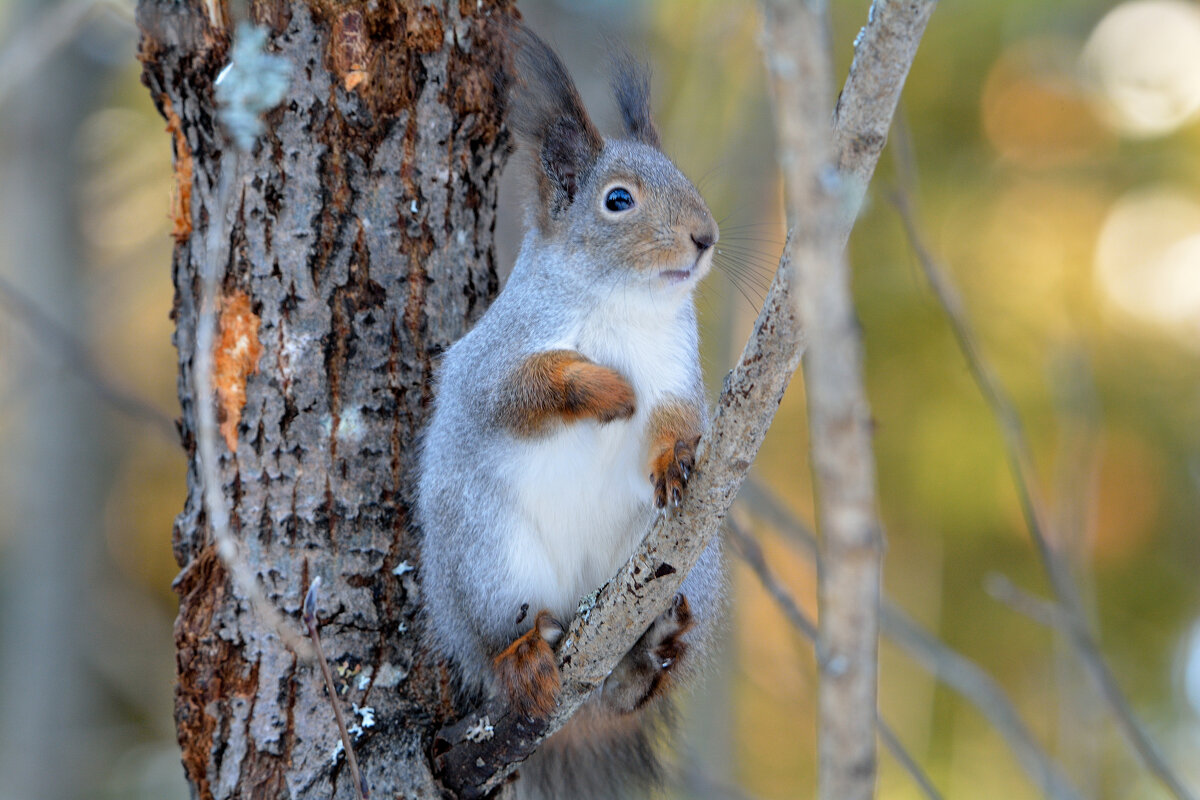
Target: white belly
583	493
583	506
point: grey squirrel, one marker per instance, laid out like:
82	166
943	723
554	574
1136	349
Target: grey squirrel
563	422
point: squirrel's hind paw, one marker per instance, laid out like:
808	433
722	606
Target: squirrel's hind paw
671	468
527	671
645	671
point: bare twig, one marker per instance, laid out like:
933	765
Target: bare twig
1043	612
628	603
944	663
752	554
750	551
883	52
894	746
1032	507
763	504
48	332
966	678
310	620
1076	480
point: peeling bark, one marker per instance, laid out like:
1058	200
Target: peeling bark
361	242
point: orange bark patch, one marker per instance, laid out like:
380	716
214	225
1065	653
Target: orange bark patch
181	194
423	30
211	672
348	48
235	360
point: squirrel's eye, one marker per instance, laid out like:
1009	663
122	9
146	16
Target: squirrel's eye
618	199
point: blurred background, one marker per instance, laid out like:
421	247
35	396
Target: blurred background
1051	152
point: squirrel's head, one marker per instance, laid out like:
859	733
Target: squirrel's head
621	201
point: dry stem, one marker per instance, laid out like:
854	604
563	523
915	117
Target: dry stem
750	551
310	620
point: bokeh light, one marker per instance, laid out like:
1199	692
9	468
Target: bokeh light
1144	61
1148	259
1035	112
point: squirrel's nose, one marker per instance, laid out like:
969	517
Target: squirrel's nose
703	241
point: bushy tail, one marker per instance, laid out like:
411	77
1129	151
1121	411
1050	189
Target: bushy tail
598	755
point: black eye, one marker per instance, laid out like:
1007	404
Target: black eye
618	199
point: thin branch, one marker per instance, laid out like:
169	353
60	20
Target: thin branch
824	186
750	551
765	505
1032	507
969	680
944	663
894	746
1043	612
627	604
310	620
48	332
752	554
883	52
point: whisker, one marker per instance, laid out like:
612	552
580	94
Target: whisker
757	280
762	269
744	284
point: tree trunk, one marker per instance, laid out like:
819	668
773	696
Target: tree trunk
360	245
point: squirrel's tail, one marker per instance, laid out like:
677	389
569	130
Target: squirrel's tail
598	755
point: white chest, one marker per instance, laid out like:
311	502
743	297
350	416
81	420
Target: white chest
584	498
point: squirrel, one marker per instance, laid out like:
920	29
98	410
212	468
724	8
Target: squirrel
563	422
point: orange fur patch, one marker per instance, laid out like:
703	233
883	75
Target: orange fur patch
181	193
528	673
564	384
674	434
234	360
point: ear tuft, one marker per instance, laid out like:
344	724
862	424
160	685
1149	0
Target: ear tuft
631	87
546	112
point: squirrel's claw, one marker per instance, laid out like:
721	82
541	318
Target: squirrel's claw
645	671
671	470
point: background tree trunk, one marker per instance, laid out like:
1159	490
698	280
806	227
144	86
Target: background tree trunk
360	246
47	701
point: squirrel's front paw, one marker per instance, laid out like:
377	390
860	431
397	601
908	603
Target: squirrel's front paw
527	670
599	392
644	672
670	469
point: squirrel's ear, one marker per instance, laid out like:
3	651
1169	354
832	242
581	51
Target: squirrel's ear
547	113
631	86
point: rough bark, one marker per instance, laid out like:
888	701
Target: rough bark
360	246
